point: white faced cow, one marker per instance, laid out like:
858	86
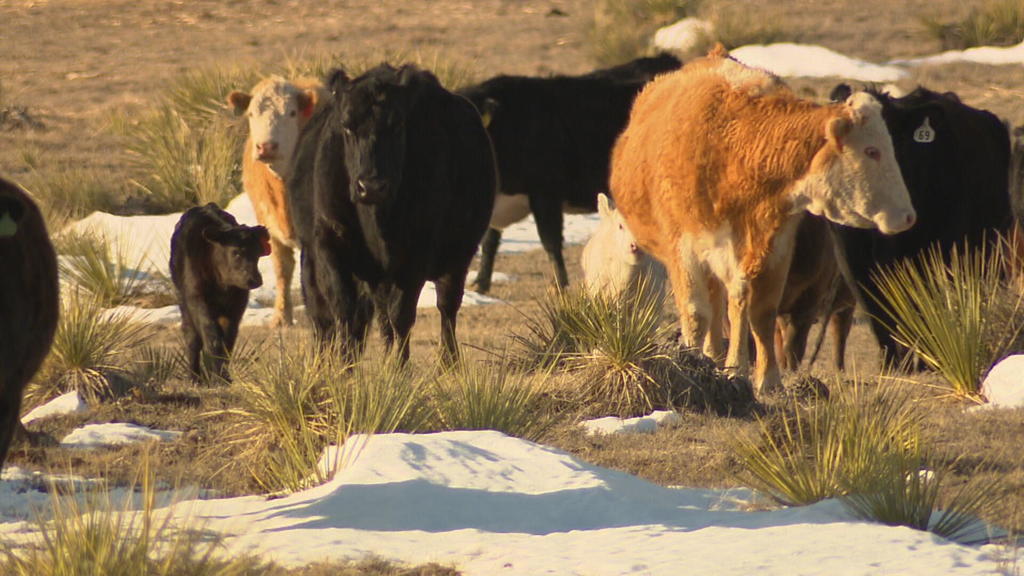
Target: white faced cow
712	172
278	111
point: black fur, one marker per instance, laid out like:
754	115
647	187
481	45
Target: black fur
213	267
29	302
401	175
553	139
958	183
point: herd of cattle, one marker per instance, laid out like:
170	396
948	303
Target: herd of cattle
754	204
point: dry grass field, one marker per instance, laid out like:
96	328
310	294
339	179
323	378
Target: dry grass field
77	69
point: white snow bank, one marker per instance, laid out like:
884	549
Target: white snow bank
492	504
788	59
642	424
114	434
683	36
978	55
1004	385
69	403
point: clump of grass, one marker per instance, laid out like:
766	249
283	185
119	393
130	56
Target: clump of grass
90	351
91	533
997	22
824	450
452	72
65	193
735	28
959	317
91	263
157	365
294	405
188	148
621	30
492	397
906	488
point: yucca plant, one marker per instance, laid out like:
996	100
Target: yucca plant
997	22
67	193
91	533
91	349
158	364
809	453
959	318
91	263
296	403
905	488
479	396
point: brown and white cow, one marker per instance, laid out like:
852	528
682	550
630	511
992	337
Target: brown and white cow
277	111
613	264
712	173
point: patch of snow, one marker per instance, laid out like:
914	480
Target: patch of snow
114	434
496	277
69	403
789	59
978	55
683	36
1004	385
641	424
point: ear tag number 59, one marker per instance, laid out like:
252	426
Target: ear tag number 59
924	133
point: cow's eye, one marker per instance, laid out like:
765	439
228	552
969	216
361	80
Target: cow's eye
873	153
292	113
347	130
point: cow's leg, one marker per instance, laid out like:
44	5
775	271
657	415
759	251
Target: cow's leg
488	251
547	212
737	360
450	289
343	307
324	324
796	331
690	289
193	344
713	347
839	326
765	294
10	406
283	258
402	314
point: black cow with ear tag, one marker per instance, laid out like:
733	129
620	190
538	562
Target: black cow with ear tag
214	266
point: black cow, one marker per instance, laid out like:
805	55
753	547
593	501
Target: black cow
955	162
29	301
213	267
553	139
402	177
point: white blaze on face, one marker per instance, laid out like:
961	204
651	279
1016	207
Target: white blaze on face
861	184
274	114
611	257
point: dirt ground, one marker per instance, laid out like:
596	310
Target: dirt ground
74	65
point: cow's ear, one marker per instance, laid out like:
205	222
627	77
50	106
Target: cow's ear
239	101
603	209
338	80
264	236
838	129
214	235
840	93
487	110
307	102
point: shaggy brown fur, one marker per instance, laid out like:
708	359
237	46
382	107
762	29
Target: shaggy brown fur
719	146
29	301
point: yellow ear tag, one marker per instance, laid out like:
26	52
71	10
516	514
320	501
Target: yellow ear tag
8	227
486	119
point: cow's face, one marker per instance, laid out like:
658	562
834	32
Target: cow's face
235	253
613	236
372	115
858	180
277	110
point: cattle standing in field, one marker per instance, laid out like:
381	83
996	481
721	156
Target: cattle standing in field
612	261
277	112
815	290
553	139
403	178
712	174
955	161
29	302
214	266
